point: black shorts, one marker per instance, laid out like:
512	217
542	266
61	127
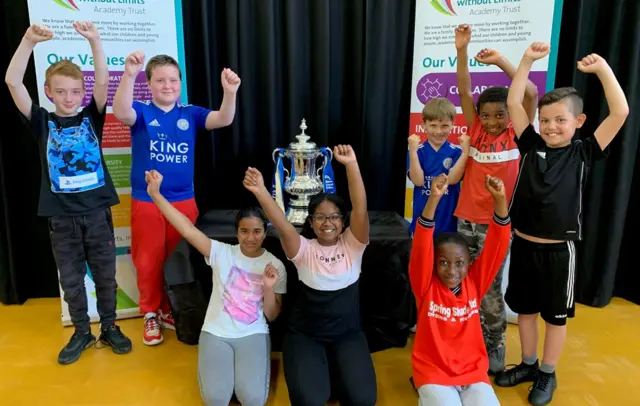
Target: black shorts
542	280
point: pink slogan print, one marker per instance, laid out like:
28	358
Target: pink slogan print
243	293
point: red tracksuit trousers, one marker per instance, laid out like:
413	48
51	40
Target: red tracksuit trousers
152	240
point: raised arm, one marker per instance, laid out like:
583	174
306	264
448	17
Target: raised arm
416	174
485	268
18	65
101	84
493	57
517	112
289	237
359	213
617	101
272	300
462	39
224	117
123	100
457	172
421	261
178	220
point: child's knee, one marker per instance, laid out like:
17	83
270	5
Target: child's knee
527	318
252	396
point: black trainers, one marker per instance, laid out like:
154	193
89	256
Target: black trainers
496	360
514	376
542	392
78	343
113	337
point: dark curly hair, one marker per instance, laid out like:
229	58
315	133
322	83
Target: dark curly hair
451	238
494	94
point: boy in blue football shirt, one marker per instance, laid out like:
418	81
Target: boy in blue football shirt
162	138
434	157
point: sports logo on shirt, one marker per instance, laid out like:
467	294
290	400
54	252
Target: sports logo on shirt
447	163
154	123
183	124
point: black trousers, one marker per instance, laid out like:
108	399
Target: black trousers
79	241
311	366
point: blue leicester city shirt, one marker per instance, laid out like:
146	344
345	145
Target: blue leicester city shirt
434	163
164	141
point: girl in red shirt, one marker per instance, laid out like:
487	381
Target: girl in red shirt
449	359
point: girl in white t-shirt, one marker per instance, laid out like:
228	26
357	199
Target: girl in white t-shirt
324	343
248	282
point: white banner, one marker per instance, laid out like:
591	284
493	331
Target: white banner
154	26
509	27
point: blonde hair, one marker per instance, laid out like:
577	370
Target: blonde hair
438	109
66	68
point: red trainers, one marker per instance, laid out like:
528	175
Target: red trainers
152	334
167	321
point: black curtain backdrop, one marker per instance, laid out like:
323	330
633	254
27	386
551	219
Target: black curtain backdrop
344	66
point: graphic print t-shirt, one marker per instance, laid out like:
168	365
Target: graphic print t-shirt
328	304
236	305
489	155
434	163
164	141
75	180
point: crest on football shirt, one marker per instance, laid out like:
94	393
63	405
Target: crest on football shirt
183	124
447	163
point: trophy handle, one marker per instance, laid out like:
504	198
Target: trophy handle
273	154
319	170
325	161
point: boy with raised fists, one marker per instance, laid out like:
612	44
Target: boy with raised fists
163	135
76	191
547	213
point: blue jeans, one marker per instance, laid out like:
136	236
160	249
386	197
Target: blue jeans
477	394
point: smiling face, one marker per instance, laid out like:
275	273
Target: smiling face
327	222
438	131
558	123
67	94
251	235
494	117
165	84
451	263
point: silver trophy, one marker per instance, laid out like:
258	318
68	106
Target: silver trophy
303	180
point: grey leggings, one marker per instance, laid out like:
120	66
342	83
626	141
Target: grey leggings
242	365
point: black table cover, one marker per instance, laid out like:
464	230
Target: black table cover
386	301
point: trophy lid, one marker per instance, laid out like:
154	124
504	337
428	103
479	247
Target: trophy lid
303	143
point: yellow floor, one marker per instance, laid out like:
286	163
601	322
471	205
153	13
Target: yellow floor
600	365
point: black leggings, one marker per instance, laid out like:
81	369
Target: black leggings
311	366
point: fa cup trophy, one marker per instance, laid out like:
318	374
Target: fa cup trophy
303	180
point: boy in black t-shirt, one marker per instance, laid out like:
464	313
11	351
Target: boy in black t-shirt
76	192
546	213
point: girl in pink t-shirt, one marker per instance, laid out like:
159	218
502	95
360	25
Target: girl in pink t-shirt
324	343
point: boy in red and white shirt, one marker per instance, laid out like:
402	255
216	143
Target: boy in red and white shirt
449	358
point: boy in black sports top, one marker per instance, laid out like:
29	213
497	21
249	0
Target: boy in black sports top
547	210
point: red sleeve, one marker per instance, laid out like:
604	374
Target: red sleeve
484	269
421	261
474	131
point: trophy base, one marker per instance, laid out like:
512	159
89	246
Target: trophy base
298	210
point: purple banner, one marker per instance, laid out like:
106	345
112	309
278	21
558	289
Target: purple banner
434	85
140	89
